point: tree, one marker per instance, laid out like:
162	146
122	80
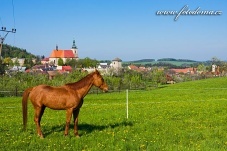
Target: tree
201	68
38	59
60	62
157	77
2	67
215	60
67	61
86	63
28	62
136	80
72	63
7	61
223	66
16	62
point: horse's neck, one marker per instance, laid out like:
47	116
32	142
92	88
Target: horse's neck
83	86
84	90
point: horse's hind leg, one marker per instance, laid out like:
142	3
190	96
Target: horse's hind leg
38	115
75	119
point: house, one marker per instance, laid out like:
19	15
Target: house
64	68
135	68
103	66
45	61
17	69
20	61
56	54
184	71
41	68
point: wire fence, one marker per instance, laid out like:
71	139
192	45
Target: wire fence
18	93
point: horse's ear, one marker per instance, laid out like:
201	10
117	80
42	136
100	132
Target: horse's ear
96	71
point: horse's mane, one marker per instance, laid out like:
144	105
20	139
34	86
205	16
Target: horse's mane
82	82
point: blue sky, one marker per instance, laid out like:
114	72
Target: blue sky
128	29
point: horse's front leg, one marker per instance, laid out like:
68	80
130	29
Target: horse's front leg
68	118
75	120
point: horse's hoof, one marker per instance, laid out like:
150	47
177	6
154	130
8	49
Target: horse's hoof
41	136
77	136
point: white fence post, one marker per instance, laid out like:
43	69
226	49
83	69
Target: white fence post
127	103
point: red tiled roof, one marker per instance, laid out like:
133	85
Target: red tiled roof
66	68
45	59
62	54
186	70
56	54
135	68
68	54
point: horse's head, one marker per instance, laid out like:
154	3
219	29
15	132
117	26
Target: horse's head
99	81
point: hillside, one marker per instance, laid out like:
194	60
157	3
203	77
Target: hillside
211	83
213	89
143	60
200	90
13	52
178	60
168	62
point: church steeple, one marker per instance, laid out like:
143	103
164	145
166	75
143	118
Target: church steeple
74	45
74	49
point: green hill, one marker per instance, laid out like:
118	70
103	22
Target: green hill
211	83
200	90
178	60
13	52
167	62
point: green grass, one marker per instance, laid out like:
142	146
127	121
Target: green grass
184	116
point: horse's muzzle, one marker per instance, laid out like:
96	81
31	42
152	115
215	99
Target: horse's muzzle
105	90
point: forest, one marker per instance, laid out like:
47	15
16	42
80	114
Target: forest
9	51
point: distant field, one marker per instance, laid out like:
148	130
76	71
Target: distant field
177	63
184	116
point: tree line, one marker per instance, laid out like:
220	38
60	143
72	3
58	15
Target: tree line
81	63
126	79
173	59
13	52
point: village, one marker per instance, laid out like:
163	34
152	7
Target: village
50	65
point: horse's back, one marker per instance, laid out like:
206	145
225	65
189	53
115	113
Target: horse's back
53	97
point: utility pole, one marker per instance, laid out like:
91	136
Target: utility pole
3	38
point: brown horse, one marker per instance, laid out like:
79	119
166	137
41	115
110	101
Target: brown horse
68	97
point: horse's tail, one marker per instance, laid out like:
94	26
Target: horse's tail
25	106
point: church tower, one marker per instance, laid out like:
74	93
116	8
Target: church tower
116	63
75	50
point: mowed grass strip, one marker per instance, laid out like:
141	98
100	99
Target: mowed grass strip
184	116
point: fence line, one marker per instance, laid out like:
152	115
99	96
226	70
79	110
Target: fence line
10	93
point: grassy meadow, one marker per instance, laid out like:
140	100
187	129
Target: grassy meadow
184	116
